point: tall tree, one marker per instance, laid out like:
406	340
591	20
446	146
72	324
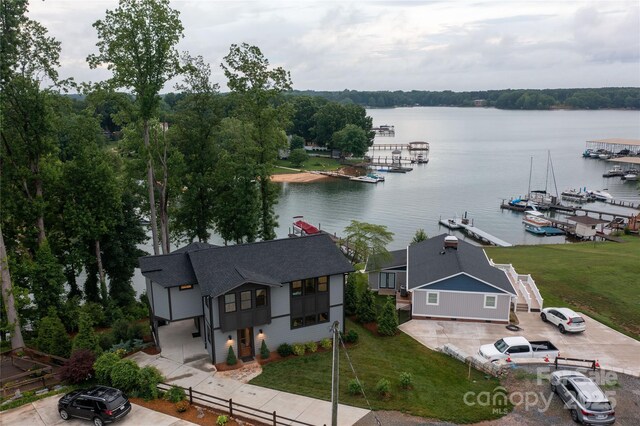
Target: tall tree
137	42
257	88
368	241
7	296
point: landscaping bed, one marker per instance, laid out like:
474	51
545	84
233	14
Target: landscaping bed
191	414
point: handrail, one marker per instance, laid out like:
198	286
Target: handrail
525	294
229	406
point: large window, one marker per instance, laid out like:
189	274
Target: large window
323	283
387	280
309	301
296	288
230	302
308	320
310	286
261	298
245	300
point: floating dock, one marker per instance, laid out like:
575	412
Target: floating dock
467	227
411	146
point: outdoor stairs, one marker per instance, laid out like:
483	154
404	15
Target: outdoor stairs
535	306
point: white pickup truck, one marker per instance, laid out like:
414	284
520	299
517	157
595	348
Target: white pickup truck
518	347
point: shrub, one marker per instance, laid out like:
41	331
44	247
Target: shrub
406	380
284	350
125	375
388	318
264	351
297	142
137	331
96	312
354	387
366	310
52	336
105	340
175	394
103	366
299	349
382	387
222	420
351	336
311	346
86	337
182	406
79	367
298	156
326	343
120	330
351	296
231	357
148	379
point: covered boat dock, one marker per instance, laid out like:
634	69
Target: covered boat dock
615	145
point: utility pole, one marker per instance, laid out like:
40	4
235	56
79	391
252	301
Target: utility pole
335	328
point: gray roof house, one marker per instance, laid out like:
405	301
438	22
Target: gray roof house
387	275
452	279
281	291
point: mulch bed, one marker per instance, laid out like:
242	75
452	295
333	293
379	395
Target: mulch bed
191	415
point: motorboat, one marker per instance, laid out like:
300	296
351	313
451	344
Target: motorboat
535	218
378	177
587	153
366	179
616	171
602	195
630	176
543	230
575	196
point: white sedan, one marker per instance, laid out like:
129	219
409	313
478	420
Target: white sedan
565	319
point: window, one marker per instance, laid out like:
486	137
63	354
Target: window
490	301
433	298
186	287
245	300
309	286
296	288
387	280
261	298
297	322
322	284
310	320
230	302
323	317
522	349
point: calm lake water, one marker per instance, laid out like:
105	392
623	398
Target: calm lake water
478	157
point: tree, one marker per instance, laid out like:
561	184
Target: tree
7	296
352	140
86	337
137	42
368	240
351	295
297	142
388	318
366	311
419	236
298	156
256	88
52	336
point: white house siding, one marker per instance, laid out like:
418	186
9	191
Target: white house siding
160	300
185	303
279	300
463	305
336	290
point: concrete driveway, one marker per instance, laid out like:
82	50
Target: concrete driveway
612	349
45	413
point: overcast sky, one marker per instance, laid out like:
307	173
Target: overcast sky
392	45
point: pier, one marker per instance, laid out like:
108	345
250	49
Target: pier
411	146
467	227
385	130
615	145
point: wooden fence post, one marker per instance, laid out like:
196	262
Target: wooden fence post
190	395
230	407
275	421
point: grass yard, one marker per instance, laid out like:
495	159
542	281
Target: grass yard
313	163
600	279
439	382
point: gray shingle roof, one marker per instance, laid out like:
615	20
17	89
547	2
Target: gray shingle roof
220	269
274	262
196	245
427	264
398	258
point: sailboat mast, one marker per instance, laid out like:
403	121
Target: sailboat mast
530	169
546	178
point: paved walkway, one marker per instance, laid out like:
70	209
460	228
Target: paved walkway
612	349
45	413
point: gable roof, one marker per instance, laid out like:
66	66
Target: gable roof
429	261
220	269
196	245
397	258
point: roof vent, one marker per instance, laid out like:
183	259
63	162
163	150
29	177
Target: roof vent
450	241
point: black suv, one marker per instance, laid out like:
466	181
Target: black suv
99	404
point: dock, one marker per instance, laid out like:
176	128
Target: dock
411	146
467	227
385	130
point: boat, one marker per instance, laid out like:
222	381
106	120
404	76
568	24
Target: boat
575	196
587	153
366	179
300	227
605	155
616	171
543	230
451	223
600	195
378	177
630	176
420	159
535	218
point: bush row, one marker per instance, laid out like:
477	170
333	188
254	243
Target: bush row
383	386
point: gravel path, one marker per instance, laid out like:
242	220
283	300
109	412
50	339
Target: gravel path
542	408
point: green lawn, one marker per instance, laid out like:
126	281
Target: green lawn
600	279
440	382
313	163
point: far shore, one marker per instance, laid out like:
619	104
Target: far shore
303	177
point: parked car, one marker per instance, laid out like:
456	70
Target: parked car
582	396
518	347
100	404
565	319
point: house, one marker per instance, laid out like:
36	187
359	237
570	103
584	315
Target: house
281	291
586	227
387	275
449	279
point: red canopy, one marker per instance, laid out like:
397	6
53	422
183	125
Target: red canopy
306	227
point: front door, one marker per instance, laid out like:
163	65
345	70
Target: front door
245	342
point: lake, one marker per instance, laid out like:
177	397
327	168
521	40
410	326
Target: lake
478	157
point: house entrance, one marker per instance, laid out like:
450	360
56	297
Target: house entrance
245	343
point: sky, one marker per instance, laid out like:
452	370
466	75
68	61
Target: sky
391	45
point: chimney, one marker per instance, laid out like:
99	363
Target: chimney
450	242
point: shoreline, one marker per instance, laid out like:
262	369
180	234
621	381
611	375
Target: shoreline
303	177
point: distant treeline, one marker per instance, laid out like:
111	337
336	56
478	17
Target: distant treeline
608	97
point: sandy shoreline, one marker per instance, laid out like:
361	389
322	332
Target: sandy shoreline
303	177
